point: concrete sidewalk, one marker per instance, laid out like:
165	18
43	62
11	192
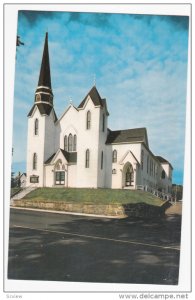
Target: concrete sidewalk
175	209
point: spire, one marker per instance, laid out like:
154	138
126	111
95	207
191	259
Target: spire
43	94
44	90
44	77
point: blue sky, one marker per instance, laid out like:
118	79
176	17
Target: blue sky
140	64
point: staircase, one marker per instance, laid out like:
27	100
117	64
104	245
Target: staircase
23	193
164	196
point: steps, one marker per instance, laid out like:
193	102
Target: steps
23	193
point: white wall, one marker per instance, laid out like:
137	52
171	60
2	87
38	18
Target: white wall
35	144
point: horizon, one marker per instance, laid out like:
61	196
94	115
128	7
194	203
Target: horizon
137	69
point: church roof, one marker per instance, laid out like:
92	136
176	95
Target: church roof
95	97
71	157
163	160
44	109
127	135
44	76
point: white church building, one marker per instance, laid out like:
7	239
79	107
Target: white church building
79	150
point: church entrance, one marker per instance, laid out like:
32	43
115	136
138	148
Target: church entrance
128	175
60	178
59	173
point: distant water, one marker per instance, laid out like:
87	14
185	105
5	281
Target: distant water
19	167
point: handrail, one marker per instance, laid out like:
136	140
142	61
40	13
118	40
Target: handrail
162	195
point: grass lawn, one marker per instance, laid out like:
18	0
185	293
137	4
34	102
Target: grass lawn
93	196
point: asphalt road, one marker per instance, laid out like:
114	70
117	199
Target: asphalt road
59	247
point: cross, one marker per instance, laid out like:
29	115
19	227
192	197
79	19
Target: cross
94	80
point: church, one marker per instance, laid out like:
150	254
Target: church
79	150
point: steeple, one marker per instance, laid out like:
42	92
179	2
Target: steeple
44	95
44	77
43	92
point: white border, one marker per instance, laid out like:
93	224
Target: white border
10	36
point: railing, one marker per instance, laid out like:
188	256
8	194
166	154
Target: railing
164	196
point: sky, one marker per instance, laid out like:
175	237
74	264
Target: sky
139	63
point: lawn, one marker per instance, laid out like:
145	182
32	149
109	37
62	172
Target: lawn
93	196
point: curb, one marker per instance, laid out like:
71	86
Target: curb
69	213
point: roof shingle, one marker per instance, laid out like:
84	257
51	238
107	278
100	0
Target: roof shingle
128	135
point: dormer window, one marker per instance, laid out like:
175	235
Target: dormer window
88	125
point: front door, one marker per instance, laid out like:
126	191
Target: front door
60	178
129	176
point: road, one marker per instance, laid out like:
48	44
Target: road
60	247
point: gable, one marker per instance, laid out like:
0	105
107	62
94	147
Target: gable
67	157
70	109
44	109
96	99
129	156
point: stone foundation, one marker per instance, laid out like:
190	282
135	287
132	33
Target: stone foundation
118	210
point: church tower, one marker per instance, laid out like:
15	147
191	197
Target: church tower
41	124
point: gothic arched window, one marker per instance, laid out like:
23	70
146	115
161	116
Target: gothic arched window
129	176
75	143
163	174
34	161
87	158
65	143
88	125
114	156
70	143
36	128
142	159
102	160
103	122
147	163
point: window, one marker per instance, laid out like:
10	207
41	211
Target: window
75	143
103	122
163	174
150	167
114	171
147	163
88	120
36	131
102	160
34	179
34	161
65	143
87	159
70	143
142	159
114	156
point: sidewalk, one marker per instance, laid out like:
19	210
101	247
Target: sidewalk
175	209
